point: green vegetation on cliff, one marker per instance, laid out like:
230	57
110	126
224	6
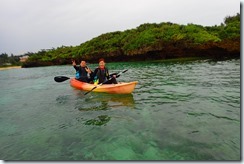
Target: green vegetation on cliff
150	41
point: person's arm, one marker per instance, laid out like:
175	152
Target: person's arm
75	66
93	74
88	70
73	63
113	75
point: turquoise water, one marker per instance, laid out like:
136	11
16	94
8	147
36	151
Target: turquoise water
179	111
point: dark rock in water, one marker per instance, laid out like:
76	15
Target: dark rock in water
102	120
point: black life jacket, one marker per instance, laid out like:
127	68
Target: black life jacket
81	74
102	75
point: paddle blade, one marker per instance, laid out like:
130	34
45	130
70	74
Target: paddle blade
60	78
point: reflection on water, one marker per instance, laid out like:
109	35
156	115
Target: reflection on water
96	102
104	101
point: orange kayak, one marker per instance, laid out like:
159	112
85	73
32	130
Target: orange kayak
120	88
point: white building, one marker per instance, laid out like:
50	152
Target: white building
23	58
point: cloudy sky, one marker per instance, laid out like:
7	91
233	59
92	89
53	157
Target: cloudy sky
32	25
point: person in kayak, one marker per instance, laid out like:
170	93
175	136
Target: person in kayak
83	73
101	74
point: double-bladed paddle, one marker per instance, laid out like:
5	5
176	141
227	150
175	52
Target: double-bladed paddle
106	81
60	79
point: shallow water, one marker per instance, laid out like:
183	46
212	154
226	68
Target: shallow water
179	111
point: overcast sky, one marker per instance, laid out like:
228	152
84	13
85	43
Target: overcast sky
32	25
